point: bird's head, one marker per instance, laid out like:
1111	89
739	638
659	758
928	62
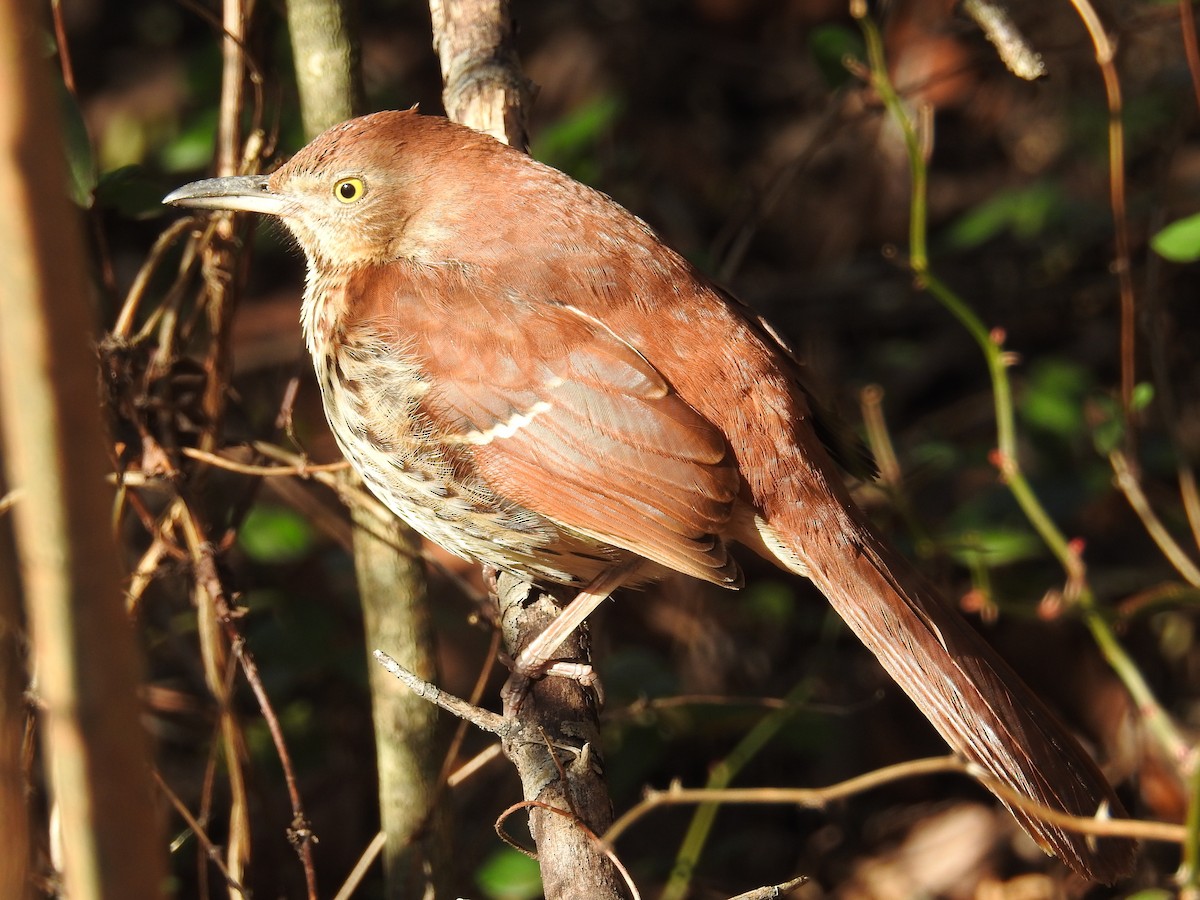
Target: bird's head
359	193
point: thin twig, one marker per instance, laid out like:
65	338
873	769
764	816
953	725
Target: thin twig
1188	875
1097	826
692	845
1011	46
95	219
1190	496
477	716
162	243
218	675
60	38
229	123
464	772
253	69
1132	489
143	574
773	891
879	439
460	732
602	844
211	850
809	798
820	798
734	240
644	705
303	470
359	872
1123	265
300	832
891	476
10	499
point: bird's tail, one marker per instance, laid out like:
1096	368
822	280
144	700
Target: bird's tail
970	695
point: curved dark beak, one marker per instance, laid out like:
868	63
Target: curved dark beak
245	193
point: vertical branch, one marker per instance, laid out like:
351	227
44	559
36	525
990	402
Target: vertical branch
325	51
556	752
482	83
408	741
558	735
218	259
96	752
234	17
219	256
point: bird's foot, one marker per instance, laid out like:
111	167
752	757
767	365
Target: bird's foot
521	679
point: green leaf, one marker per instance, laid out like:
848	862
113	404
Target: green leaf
996	546
1053	398
275	534
770	602
81	159
1179	241
1108	429
569	142
831	46
1023	212
1143	395
509	875
130	191
631	672
193	148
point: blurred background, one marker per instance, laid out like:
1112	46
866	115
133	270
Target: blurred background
738	130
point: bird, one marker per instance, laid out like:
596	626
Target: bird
520	369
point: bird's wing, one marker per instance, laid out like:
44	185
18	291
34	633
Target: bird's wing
559	415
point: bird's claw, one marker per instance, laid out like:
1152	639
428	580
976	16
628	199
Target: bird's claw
521	679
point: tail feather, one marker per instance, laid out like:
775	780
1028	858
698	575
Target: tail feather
969	694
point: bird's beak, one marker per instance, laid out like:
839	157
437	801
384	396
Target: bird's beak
245	193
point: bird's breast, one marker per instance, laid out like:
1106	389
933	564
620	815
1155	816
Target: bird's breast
376	395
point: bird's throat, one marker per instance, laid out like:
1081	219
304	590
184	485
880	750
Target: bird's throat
324	307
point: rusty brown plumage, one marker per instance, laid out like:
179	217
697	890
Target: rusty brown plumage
520	369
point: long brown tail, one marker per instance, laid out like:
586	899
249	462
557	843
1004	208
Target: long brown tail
970	695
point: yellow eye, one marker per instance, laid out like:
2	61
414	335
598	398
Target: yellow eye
349	190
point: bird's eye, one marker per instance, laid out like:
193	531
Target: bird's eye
349	190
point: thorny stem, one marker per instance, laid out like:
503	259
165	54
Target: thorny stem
1078	590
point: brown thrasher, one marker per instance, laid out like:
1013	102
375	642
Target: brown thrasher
523	372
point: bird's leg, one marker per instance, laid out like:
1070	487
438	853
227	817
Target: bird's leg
537	657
